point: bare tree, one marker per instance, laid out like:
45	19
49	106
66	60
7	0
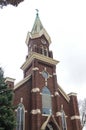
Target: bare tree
82	108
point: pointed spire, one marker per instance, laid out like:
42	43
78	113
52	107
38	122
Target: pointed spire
37	27
37	30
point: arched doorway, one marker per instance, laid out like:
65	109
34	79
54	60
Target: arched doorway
51	126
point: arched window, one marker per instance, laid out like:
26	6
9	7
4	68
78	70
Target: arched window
20	117
46	101
41	50
45	51
64	125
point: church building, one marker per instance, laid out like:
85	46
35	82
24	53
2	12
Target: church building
42	103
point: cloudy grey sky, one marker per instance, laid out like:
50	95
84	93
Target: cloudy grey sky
65	22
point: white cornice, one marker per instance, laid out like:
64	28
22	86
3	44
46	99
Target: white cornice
22	82
72	94
9	79
38	56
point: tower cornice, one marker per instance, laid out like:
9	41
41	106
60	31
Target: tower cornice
38	56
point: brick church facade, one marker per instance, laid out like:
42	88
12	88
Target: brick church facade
42	103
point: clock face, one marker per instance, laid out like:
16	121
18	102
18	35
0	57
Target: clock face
45	74
43	41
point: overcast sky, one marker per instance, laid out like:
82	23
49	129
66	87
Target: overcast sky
65	22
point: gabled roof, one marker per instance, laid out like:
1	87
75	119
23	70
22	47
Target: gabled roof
37	30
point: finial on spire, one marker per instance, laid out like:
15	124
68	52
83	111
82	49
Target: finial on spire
37	12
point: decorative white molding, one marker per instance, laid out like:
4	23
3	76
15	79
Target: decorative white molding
40	72
45	69
54	73
75	117
50	76
58	113
35	90
15	110
56	93
35	68
25	111
21	100
36	111
45	83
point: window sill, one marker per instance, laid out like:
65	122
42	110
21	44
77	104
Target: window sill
45	114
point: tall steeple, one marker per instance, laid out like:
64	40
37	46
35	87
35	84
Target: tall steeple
38	42
37	30
48	106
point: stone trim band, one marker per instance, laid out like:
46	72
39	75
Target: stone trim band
75	117
35	90
36	111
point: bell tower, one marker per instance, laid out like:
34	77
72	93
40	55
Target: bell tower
38	42
47	106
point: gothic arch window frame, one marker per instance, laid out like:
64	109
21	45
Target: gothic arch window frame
20	117
46	101
64	122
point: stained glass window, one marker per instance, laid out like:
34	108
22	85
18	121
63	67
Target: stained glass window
20	117
64	125
46	101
